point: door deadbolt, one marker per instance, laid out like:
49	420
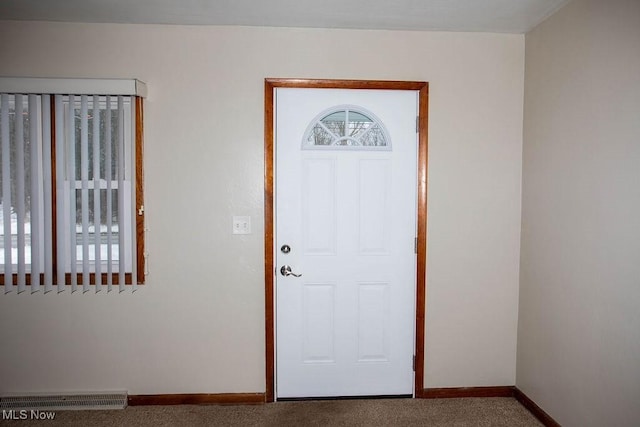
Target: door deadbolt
285	249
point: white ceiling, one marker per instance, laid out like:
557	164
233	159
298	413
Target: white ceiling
501	16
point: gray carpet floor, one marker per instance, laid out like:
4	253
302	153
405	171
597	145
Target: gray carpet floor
374	412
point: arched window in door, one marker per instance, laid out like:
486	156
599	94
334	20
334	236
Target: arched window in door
346	127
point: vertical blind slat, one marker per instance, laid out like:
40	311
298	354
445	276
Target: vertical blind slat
71	176
132	198
121	172
6	191
61	238
35	193
46	190
20	184
84	176
97	189
108	176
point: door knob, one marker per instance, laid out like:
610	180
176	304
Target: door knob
285	270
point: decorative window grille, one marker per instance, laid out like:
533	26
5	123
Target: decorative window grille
346	127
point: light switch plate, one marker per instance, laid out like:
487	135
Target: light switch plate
241	225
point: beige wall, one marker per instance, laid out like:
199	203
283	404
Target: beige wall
198	325
579	316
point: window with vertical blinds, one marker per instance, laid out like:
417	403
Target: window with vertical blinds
71	192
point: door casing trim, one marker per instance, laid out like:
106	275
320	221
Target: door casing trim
269	215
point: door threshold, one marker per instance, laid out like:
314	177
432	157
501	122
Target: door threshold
365	397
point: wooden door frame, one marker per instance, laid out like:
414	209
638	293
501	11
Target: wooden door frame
269	215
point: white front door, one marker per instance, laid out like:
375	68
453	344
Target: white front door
346	164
